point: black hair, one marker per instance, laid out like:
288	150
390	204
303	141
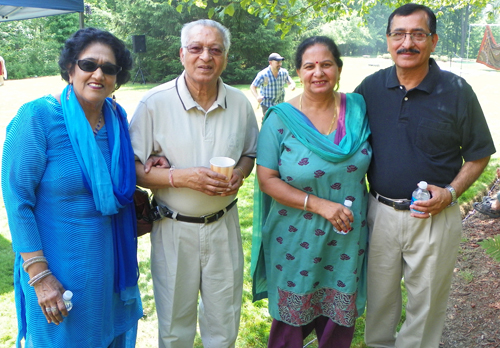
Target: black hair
410	8
313	40
80	40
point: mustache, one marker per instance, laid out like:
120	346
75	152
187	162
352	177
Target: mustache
405	50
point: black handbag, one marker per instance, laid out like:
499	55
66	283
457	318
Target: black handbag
143	211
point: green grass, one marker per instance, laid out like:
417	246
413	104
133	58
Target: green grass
467	276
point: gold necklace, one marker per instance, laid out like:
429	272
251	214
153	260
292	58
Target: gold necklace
334	118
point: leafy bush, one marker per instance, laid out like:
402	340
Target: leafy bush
492	247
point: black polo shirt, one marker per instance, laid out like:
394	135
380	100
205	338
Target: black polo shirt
422	134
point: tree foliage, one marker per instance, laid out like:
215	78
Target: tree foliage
161	23
287	14
258	27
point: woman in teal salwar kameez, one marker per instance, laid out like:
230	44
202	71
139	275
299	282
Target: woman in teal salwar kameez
312	156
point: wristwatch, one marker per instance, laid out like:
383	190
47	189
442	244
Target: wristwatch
453	194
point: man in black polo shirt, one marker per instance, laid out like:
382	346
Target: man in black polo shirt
427	125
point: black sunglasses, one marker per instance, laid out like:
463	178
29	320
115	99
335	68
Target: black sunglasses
91	66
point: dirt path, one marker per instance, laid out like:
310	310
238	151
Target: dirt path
473	313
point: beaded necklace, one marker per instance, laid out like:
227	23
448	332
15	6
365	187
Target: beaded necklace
98	126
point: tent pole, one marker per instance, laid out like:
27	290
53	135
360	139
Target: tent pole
82	24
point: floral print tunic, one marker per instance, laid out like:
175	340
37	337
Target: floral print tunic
312	270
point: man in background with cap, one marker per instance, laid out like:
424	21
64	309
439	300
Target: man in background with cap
271	82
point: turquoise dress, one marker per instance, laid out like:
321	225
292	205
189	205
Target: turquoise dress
50	208
304	266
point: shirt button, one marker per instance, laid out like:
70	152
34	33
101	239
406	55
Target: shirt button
406	98
400	87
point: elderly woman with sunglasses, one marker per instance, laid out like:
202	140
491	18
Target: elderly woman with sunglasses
70	204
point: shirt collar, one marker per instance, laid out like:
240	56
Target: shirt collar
427	84
187	100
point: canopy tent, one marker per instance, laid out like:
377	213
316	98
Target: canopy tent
13	10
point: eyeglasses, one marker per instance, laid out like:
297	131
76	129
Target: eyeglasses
198	49
416	36
91	66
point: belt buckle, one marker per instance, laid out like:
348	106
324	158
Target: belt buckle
209	216
397	204
161	212
158	213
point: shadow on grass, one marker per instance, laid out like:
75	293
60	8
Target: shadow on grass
6	266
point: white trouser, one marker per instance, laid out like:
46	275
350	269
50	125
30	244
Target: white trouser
188	259
424	252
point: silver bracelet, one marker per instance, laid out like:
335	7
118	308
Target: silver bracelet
305	202
33	260
39	277
453	195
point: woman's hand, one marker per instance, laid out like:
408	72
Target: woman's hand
49	292
156	161
338	215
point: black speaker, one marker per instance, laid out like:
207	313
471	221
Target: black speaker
139	43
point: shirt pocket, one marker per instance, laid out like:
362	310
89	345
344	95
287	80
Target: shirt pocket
436	137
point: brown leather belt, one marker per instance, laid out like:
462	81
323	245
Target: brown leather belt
399	204
160	212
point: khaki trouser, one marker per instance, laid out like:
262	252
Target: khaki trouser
423	252
188	259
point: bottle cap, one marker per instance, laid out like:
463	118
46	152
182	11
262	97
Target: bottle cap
348	203
422	185
68	295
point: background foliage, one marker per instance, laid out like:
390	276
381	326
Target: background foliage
31	47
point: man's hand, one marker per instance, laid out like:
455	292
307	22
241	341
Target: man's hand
441	198
202	179
156	161
236	182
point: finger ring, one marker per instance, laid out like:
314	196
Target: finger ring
53	309
48	309
430	214
339	221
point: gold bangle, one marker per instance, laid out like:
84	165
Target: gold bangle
241	171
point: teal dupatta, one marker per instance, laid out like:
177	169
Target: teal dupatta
357	132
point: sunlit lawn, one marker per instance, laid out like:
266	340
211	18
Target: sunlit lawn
255	320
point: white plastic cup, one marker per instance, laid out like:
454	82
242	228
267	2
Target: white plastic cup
223	165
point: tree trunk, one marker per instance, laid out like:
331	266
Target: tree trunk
465	24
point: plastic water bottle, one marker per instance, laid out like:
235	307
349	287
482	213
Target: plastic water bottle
420	194
67	296
348	205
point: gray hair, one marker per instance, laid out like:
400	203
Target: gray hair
226	35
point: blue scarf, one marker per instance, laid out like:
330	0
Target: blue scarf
113	192
357	132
